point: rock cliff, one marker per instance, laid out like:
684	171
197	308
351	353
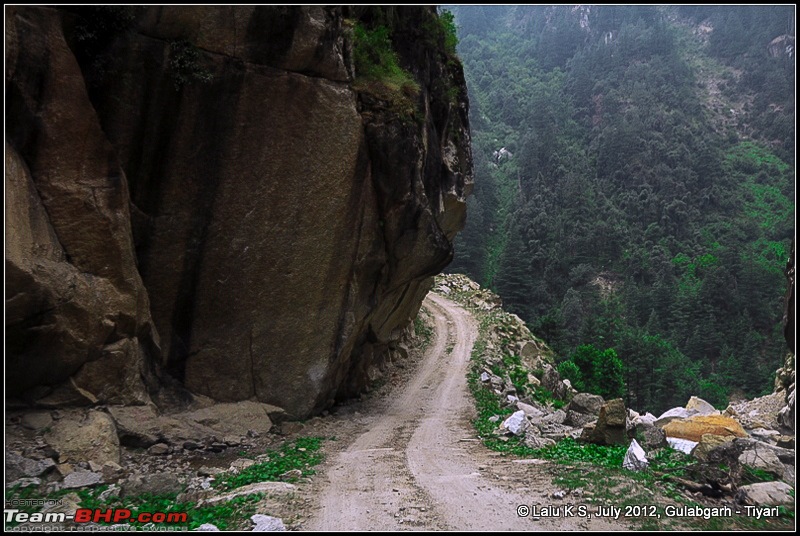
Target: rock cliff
201	202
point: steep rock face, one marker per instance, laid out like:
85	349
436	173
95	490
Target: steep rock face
75	302
285	227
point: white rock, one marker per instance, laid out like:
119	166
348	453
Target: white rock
647	418
267	488
207	527
766	494
80	479
701	406
516	423
673	414
531	411
484	377
683	445
635	458
267	523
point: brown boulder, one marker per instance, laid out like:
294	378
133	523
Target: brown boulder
610	428
84	437
709	442
695	427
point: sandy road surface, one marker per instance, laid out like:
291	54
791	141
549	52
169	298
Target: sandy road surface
416	465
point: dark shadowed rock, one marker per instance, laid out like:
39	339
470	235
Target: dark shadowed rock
265	234
610	428
73	288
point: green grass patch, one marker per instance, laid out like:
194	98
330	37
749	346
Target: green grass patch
300	454
378	71
423	329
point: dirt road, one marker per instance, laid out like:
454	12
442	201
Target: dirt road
416	463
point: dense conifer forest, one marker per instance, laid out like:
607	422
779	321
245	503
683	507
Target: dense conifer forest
634	193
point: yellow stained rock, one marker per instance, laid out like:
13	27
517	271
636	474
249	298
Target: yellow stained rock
695	427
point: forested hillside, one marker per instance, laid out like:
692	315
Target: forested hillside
634	188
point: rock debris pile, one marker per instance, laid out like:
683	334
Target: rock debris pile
518	368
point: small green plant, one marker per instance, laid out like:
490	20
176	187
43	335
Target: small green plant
184	61
300	454
378	71
423	329
449	29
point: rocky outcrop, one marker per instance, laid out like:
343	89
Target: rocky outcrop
200	194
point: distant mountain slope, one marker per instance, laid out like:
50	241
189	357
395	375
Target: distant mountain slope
635	185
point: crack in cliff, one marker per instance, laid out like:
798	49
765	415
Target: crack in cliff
252	365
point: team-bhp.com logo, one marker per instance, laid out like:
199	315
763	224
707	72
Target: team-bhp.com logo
95	515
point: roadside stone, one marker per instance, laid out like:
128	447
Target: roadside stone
763	459
537	442
696	426
647	418
36	420
701	407
68	504
159	449
294	473
208	471
82	479
532	412
579	419
232	441
19	467
26	482
241	463
64	469
291	428
82	437
111	471
682	445
586	403
557	417
709	442
277	489
610	428
635	458
672	415
766	494
650	435
765	435
556	431
748	443
551	380
265	523
516	423
161	483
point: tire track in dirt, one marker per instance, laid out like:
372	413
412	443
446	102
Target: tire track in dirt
416	464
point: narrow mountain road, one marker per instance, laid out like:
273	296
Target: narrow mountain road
417	465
